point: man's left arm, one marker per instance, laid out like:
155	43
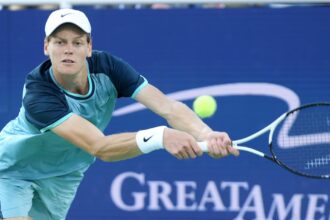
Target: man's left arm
181	117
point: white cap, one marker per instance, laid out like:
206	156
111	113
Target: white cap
61	16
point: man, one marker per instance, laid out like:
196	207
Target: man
67	102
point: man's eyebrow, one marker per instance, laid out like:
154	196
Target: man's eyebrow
60	38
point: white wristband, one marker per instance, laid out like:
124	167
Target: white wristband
150	139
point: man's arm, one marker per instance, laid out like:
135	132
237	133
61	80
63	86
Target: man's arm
182	118
88	137
85	135
177	114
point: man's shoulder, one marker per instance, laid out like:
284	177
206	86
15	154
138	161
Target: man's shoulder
98	54
40	72
39	81
100	62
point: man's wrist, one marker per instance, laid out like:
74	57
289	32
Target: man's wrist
204	133
150	139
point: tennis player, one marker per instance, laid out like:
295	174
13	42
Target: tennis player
68	101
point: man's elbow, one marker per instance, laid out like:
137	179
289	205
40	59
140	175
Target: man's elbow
102	157
105	156
98	150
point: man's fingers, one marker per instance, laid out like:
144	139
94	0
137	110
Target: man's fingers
232	150
221	146
197	150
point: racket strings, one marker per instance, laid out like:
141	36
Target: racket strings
318	162
303	141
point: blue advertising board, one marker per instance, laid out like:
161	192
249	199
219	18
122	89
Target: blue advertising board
256	62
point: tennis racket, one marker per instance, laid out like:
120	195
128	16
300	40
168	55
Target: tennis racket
299	141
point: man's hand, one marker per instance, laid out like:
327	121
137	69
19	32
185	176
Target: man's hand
220	145
181	144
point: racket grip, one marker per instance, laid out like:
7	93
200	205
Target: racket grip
203	146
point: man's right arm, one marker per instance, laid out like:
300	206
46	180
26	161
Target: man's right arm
121	146
88	137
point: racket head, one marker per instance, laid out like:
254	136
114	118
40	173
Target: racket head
301	141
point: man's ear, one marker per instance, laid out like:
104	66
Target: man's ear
90	48
46	47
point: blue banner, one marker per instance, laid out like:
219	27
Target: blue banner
256	62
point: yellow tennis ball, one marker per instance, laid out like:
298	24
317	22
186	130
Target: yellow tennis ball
205	106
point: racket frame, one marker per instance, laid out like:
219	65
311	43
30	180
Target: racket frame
271	128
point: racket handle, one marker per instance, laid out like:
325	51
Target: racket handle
203	146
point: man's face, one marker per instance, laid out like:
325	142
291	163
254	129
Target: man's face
67	49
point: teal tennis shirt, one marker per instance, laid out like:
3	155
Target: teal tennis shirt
30	150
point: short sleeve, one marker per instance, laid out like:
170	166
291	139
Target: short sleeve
44	104
126	79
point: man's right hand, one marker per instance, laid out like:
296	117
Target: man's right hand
181	144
